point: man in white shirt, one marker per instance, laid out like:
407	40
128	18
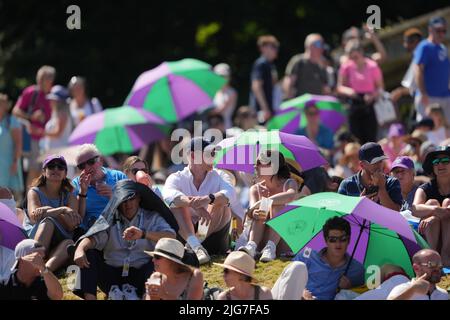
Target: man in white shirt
427	265
199	194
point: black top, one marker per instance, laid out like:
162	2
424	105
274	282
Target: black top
15	290
265	71
432	191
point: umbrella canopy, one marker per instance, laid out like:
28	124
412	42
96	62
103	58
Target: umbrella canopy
240	153
291	116
11	232
175	90
123	129
378	235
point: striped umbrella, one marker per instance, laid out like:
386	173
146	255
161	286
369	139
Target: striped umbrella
175	90
378	235
119	130
291	116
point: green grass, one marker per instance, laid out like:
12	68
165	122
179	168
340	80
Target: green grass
266	274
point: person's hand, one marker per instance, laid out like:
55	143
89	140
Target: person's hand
307	295
379	179
13	168
132	233
205	216
39	213
153	286
424	100
420	285
36	260
85	180
259	215
38	116
73	217
200	202
104	190
441	213
267	115
372	196
426	223
80	258
368	98
344	283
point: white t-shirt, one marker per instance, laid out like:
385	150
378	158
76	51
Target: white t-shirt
437	136
90	107
384	289
437	294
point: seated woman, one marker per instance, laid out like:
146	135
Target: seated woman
275	183
432	201
52	211
238	276
174	278
111	253
137	170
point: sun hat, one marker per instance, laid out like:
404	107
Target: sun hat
58	93
440	150
240	262
168	248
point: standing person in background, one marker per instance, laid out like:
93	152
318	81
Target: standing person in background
432	69
226	98
360	80
11	149
81	105
34	109
441	129
263	77
306	73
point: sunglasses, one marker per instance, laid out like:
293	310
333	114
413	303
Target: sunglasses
90	162
135	170
435	162
444	31
59	166
343	238
156	257
432	265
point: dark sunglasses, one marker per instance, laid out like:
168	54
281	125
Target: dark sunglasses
59	166
432	265
332	239
444	31
156	257
90	162
135	170
312	114
435	162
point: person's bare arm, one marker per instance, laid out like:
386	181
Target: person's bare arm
80	257
257	88
59	128
420	81
287	85
343	88
19	113
16	135
195	291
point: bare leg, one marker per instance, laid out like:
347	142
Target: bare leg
59	257
271	234
184	220
432	233
257	231
445	252
446	203
220	216
44	235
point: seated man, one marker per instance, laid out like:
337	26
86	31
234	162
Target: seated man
111	253
371	181
200	193
427	265
30	278
391	276
332	268
93	186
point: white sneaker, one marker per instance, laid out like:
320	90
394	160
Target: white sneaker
129	292
269	252
202	255
115	293
249	248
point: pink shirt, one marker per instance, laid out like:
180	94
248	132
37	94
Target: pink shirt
41	103
362	81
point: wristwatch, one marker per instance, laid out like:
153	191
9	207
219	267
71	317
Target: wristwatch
212	198
144	233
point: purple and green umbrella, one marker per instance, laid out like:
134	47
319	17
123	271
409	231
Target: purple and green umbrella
291	116
378	235
240	153
119	130
175	90
11	232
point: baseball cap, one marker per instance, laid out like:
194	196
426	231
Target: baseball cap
437	21
396	130
58	93
53	157
24	248
372	153
402	162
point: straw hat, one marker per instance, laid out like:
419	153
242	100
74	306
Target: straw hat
170	249
240	262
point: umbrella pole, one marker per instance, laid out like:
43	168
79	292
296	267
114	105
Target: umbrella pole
356	245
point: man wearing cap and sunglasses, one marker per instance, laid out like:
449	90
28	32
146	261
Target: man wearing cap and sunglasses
94	184
432	70
371	181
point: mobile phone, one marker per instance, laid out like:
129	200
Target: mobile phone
372	189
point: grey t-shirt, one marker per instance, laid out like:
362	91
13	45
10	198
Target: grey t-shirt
310	77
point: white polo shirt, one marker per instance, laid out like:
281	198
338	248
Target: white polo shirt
437	294
181	183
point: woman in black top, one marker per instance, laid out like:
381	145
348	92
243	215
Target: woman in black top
432	202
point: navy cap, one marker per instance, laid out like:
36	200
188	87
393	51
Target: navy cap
372	153
58	93
437	22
